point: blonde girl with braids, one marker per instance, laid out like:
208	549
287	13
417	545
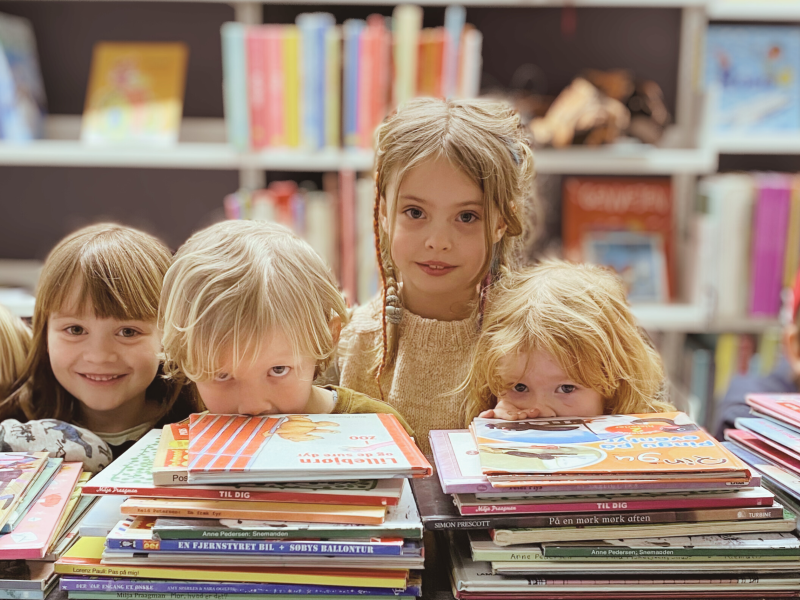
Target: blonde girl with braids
94	359
452	180
560	340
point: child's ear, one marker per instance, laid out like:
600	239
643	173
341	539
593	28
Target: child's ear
335	325
791	348
499	230
383	216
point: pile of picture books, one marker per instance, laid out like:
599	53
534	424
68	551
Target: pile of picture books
40	504
280	505
605	507
769	441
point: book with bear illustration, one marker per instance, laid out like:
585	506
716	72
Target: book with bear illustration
224	448
644	446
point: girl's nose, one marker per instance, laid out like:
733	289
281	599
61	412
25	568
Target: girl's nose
100	350
439	239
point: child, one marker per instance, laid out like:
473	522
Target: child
452	181
15	339
784	379
559	340
94	358
251	316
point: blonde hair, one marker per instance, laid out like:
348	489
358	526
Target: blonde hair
231	285
484	140
577	314
118	271
15	341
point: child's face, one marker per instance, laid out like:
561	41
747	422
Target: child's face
276	382
438	240
105	363
541	388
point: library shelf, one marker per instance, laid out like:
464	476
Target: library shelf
754	325
764	10
777	143
671	317
202	146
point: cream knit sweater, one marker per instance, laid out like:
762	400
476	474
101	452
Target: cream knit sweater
432	360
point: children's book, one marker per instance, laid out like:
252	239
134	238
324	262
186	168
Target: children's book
130	475
401	521
760	445
640	446
225	448
84	558
598	210
784	407
135	93
458	466
753	78
32	493
264	511
783	437
18	471
26	576
32	537
22	98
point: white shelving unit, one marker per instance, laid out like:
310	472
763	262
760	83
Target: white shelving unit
748	10
757	144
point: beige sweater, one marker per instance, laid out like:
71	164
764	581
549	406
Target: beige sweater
433	358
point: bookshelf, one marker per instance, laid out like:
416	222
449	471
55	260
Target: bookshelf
749	10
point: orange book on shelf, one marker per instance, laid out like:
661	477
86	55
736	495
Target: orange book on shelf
625	223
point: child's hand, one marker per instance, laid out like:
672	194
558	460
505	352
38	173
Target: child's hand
506	411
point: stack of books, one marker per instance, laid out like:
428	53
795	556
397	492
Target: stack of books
280	505
316	84
611	506
769	441
40	505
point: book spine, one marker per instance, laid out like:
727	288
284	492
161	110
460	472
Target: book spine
200	587
256	547
367	47
698	502
353	30
234	85
257	85
333	86
454	20
284	534
406	445
21	595
406	24
274	80
588	552
291	83
191	596
769	245
243	514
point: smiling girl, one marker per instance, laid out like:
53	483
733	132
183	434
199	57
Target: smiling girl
94	360
452	181
560	340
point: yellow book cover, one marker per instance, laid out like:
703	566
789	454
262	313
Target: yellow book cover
724	362
791	261
291	84
172	455
259	511
85	558
135	92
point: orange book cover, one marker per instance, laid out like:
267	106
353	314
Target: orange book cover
593	206
294	512
640	446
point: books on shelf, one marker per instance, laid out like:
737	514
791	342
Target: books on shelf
135	93
329	447
22	98
317	84
625	224
753	78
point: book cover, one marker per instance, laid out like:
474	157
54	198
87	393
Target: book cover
107	584
32	537
753	78
26	576
130	475
770	229
301	447
784	407
135	93
596	206
779	479
264	511
786	439
85	555
761	446
659	445
234	84
459	469
172	455
32	494
401	521
18	471
22	97
136	534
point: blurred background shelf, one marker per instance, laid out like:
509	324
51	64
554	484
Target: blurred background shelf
740	10
757	144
